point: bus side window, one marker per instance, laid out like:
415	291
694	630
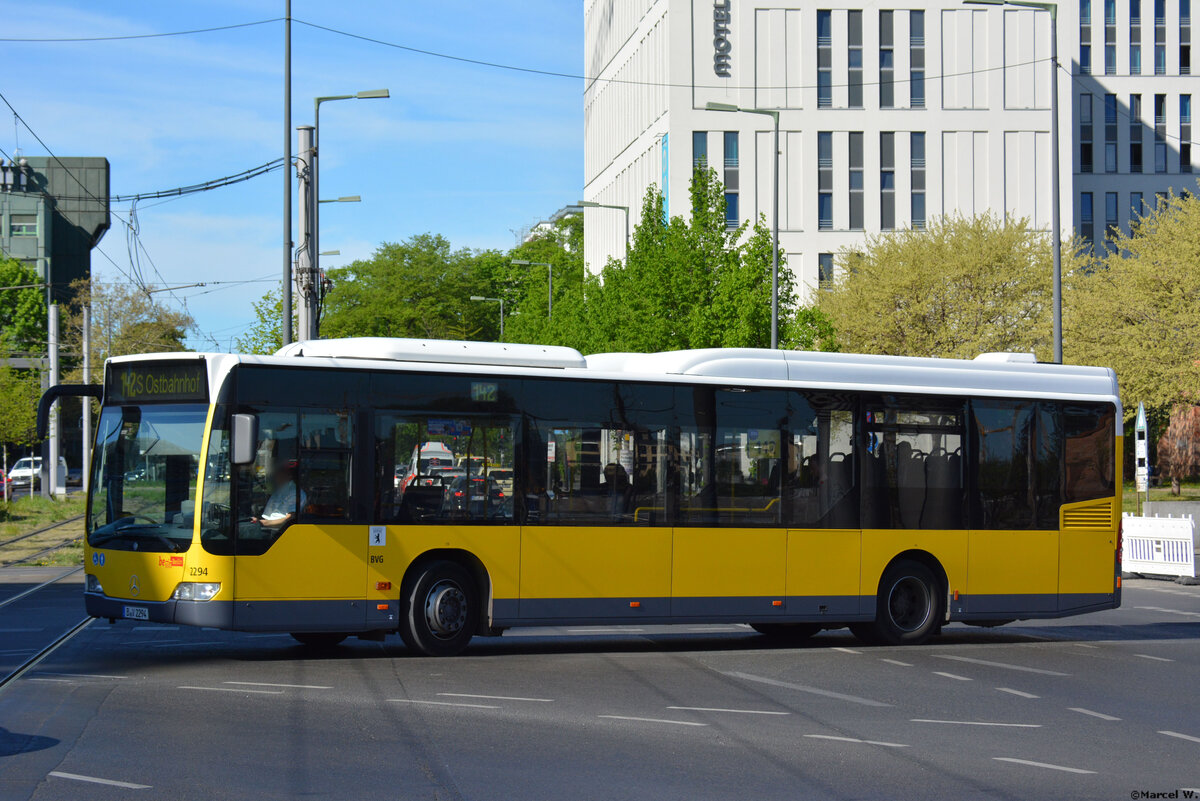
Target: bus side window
1003	432
326	439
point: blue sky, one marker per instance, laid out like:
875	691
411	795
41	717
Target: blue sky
466	151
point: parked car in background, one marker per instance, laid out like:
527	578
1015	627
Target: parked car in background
74	476
29	471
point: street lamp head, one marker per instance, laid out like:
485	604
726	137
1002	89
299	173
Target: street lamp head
711	106
370	93
522	262
478	297
331	252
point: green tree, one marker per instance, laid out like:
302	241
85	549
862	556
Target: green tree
264	336
22	311
1138	311
961	287
125	320
525	288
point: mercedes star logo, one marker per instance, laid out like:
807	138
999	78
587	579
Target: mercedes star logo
134	589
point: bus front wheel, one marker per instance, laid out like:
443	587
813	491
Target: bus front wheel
442	611
908	608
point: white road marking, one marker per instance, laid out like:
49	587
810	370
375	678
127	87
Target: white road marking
714	628
58	774
599	630
80	675
735	711
498	697
854	699
1004	665
1046	765
156	628
441	703
179	643
855	740
1017	692
896	662
151	642
652	720
1083	711
290	686
65	681
231	690
951	676
1181	736
847	650
1171	611
980	723
1155	658
1083	645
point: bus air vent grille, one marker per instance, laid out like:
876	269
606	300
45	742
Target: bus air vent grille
1099	516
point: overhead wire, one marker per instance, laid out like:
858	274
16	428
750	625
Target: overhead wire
126	37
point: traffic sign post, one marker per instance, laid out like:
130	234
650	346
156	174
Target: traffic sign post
1141	455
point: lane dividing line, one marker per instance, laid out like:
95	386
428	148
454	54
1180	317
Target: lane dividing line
1171	611
1181	736
734	711
64	681
1083	645
58	774
441	703
854	699
896	662
847	650
80	675
230	690
182	644
855	740
653	720
1046	765
952	676
1005	665
156	628
1011	691
1083	711
32	590
1155	658
979	723
289	686
498	697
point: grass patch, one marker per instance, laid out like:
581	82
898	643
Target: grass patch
1188	491
66	556
24	514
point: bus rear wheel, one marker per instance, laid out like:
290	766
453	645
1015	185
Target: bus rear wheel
908	609
786	632
442	609
318	639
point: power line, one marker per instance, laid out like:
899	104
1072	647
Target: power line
143	35
192	189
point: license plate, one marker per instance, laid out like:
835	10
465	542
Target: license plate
137	613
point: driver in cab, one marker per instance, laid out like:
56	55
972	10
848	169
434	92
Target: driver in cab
280	509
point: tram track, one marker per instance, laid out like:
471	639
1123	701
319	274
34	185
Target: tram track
43	552
32	662
42	530
10	610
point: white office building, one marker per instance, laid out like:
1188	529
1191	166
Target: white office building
890	114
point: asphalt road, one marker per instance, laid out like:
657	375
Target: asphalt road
1096	707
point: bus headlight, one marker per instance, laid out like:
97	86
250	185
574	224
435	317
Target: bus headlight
196	591
92	584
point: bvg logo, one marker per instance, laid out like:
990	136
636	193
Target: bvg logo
134	589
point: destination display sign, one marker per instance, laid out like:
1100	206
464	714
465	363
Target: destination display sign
157	382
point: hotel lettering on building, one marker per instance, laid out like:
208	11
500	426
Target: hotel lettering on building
890	115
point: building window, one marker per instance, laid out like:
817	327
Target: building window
824	270
699	149
1111	226
1110	59
887	181
1085	132
1085	12
23	225
856	181
1135	59
1110	133
1110	12
1160	59
916	56
1160	133
731	209
731	179
1185	60
731	150
887	59
1085	59
1185	133
854	75
1160	37
825	181
1135	133
1135	207
917	147
1087	228
824	59
1135	12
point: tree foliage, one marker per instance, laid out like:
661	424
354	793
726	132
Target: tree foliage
124	320
22	311
265	335
1138	311
961	287
19	394
1179	447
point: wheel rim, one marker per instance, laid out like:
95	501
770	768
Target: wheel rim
446	609
909	604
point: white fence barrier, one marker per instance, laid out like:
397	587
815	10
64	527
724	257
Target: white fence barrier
1161	545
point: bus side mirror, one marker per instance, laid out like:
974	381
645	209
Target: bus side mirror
244	445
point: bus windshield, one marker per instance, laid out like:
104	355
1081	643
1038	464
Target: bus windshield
143	488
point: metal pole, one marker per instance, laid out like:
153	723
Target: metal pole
315	254
501	319
285	322
50	486
1056	201
305	203
775	246
626	210
86	457
550	298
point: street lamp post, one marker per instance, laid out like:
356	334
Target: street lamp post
1055	188
774	115
591	204
494	300
316	227
550	276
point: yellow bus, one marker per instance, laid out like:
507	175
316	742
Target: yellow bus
790	491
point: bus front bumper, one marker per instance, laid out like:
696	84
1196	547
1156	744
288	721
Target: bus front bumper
215	614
